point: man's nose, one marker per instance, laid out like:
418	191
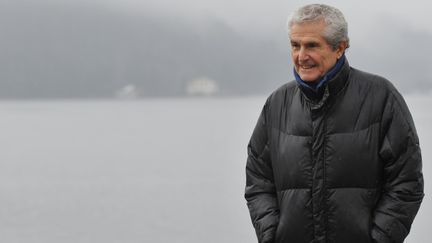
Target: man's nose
303	55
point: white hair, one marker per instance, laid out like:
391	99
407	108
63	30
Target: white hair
336	26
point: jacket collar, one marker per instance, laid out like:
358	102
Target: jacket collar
330	87
329	75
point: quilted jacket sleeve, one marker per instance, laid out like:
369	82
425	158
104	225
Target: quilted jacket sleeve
260	191
403	185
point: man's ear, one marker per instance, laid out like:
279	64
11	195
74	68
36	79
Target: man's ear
343	45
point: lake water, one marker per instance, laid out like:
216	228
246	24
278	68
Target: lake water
156	170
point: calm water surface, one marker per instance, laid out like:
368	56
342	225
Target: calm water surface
139	171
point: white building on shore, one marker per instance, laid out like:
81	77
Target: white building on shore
202	87
127	92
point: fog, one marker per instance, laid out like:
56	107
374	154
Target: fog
104	140
81	49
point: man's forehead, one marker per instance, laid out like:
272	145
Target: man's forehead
306	38
308	32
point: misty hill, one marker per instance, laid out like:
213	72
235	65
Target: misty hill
51	50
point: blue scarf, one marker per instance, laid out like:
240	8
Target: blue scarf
314	86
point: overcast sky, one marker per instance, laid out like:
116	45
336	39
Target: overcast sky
380	27
259	15
386	36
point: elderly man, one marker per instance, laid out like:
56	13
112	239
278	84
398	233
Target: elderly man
334	157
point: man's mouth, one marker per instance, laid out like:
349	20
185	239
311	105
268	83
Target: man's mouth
306	66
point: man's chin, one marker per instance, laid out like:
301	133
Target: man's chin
309	76
309	79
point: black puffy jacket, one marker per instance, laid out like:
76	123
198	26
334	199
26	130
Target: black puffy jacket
344	168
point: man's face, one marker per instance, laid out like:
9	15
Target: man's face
312	56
